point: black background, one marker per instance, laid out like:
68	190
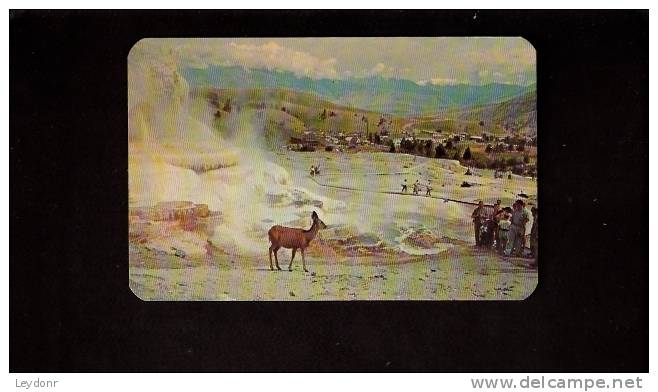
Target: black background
70	305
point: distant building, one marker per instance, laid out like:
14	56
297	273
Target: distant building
310	139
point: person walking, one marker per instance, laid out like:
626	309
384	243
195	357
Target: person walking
416	186
428	188
404	186
478	216
517	229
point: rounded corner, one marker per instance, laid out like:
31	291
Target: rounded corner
135	45
130	288
534	289
529	43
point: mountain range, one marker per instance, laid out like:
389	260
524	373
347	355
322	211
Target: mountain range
399	97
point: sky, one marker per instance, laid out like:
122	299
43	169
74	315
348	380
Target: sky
424	60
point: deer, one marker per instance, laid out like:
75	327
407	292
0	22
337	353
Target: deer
292	238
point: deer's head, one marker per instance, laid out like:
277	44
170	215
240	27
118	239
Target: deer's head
316	219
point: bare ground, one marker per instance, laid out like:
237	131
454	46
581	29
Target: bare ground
460	273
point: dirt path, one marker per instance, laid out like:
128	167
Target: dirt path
445	199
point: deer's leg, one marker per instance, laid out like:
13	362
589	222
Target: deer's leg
294	250
276	258
304	261
270	252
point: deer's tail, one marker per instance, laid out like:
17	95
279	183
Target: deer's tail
270	234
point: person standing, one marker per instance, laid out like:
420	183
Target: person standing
504	225
528	229
497	207
478	216
517	229
428	191
496	210
534	235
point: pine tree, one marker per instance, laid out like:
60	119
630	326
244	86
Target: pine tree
227	106
467	154
440	151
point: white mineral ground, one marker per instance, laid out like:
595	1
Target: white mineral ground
379	245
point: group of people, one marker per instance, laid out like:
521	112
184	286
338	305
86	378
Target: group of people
506	228
417	187
315	170
500	174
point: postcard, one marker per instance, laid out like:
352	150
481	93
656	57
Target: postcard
330	169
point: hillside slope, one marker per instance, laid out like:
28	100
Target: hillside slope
399	97
283	113
515	115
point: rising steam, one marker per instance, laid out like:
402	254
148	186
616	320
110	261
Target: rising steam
175	156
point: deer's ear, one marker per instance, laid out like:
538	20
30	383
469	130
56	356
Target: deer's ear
314	215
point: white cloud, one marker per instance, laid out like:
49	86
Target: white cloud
442	82
486	76
271	55
499	77
379	68
199	53
449	60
